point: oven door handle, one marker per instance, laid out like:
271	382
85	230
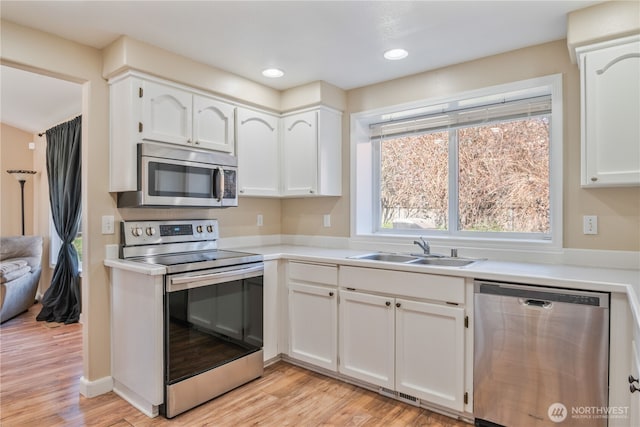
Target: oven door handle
187	282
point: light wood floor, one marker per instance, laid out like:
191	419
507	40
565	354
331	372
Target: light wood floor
41	365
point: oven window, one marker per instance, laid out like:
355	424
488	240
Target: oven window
171	180
211	325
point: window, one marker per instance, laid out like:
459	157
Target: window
56	243
482	165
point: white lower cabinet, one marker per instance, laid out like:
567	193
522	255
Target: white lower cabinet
412	347
430	352
313	314
367	329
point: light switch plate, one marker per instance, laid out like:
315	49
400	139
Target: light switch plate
108	224
590	224
326	220
260	220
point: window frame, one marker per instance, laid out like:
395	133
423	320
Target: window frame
365	176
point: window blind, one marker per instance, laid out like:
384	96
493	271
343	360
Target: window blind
454	115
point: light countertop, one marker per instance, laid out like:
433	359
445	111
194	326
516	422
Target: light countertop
566	276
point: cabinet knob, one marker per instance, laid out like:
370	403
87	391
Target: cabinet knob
398	304
632	380
388	303
633	388
197	142
594	178
241	191
311	191
330	294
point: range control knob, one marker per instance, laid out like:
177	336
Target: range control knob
136	231
151	231
210	228
199	229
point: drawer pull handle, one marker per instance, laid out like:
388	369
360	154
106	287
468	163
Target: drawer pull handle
330	294
388	303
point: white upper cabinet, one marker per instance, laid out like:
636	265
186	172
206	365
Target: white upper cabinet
311	153
258	153
166	113
610	90
213	124
178	116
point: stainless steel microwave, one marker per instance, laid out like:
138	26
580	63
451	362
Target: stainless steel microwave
172	176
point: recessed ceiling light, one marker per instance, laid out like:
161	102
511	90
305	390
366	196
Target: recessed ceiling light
273	73
395	54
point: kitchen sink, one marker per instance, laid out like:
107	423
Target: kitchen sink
387	257
437	260
443	261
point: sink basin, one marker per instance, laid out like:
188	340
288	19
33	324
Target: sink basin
445	262
437	260
387	257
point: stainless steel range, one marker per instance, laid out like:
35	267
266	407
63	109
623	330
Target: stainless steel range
212	308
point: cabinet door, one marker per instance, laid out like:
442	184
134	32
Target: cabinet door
213	124
300	154
430	352
313	318
367	338
258	154
611	97
166	114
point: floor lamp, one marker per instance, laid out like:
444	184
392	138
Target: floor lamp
21	176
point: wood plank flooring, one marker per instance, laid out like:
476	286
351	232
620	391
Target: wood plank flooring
41	366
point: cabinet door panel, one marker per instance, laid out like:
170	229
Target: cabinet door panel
258	154
313	314
166	114
367	338
213	124
300	153
430	352
611	109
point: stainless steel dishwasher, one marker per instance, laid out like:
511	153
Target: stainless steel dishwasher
541	356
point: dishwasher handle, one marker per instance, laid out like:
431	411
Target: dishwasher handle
535	303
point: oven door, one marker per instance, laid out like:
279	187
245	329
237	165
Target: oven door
213	320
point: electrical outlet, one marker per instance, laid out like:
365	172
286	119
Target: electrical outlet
108	224
260	220
590	224
326	220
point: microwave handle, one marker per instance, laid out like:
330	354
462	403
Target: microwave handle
220	183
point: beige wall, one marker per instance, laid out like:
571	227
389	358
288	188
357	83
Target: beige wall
618	209
603	21
15	154
14	143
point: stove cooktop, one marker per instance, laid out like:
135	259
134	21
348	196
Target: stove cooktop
181	262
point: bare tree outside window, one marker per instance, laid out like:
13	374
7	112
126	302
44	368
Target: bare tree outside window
503	178
414	181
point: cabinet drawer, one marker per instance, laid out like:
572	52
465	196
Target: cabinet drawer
400	283
314	273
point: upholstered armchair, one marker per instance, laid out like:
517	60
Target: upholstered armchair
20	267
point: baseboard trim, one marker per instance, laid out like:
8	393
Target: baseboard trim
95	388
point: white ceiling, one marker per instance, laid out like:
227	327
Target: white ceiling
340	42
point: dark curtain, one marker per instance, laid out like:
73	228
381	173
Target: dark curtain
61	302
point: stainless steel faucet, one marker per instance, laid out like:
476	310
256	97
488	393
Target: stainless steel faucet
424	245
